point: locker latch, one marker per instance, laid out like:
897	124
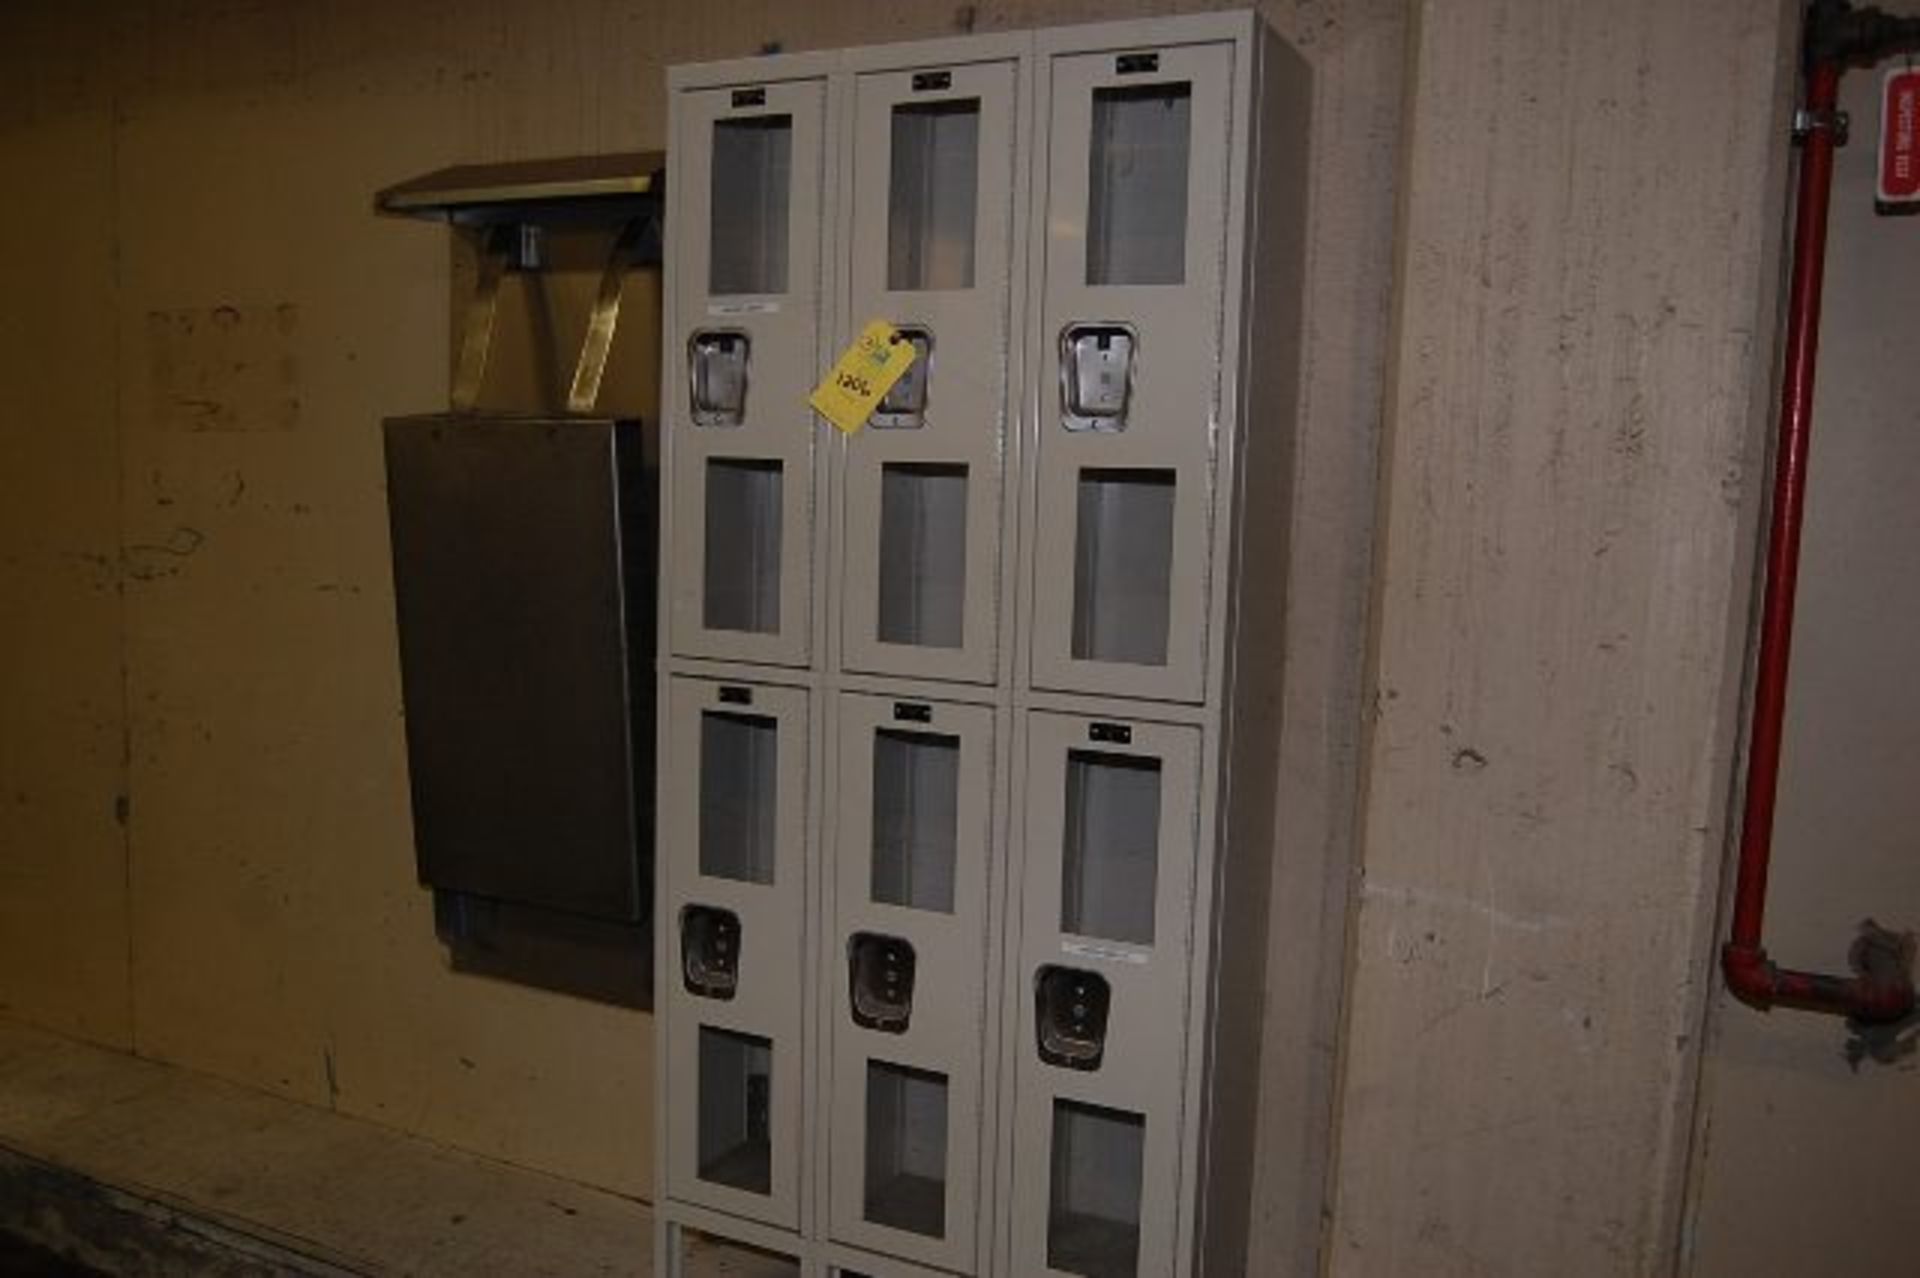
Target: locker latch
1096	375
717	371
880	976
710	951
906	404
1070	1015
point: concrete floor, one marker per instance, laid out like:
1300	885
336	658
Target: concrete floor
92	1140
20	1259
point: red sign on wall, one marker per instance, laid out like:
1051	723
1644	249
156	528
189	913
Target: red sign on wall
1899	182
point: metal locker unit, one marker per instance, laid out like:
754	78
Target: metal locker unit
934	152
1134	193
734	858
910	1013
1106	924
748	210
1036	686
1168	209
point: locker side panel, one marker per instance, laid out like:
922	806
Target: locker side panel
1267	355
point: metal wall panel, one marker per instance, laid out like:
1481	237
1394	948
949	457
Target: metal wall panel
523	580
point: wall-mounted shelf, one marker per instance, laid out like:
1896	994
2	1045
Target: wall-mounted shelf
509	207
601	186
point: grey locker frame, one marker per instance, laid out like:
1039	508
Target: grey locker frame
1222	687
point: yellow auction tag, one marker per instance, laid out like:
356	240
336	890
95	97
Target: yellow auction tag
862	376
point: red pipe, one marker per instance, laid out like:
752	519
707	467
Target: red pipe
1879	991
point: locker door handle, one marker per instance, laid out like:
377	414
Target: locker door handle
905	406
717	376
1070	1016
1096	375
710	951
880	981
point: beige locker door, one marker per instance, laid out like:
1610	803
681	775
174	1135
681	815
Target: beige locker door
733	852
1128	379
911	876
1106	941
744	235
934	161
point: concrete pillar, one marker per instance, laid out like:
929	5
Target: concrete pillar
1572	463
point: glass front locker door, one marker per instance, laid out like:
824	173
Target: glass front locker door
745	234
1129	380
934	163
911	875
733	857
1107	930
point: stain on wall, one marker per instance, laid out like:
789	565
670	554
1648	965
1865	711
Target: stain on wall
225	367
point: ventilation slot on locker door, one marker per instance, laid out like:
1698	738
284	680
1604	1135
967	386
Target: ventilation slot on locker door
906	1185
923	554
742	577
1123	566
736	1108
1093	1221
1137	185
739	795
916	814
752	172
930	207
709	1253
1110	865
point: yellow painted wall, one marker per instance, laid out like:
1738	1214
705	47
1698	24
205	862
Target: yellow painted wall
206	325
63	898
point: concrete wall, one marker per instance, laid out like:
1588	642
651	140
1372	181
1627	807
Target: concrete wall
207	324
1579	380
1801	1153
63	865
